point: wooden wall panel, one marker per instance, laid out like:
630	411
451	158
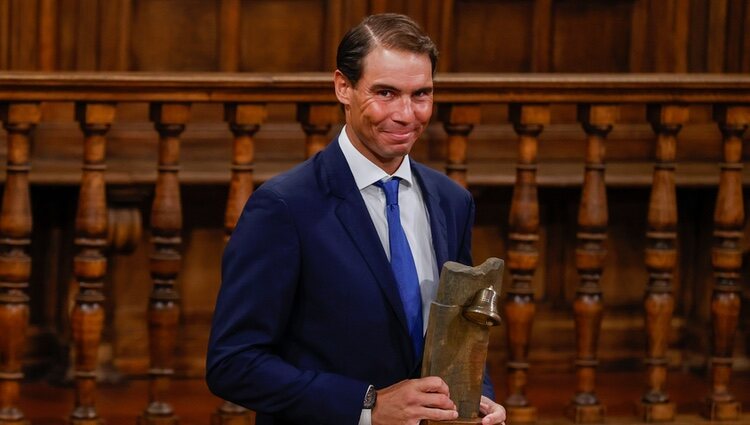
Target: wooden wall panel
23	35
4	34
87	30
282	35
114	45
302	35
494	36
174	35
591	36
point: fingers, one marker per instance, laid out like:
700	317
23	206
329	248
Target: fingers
494	413
432	384
409	401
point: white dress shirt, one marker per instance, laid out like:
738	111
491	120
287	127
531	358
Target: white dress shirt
414	219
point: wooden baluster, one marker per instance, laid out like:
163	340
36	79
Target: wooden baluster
661	259
523	257
90	262
458	121
15	263
726	257
597	121
244	121
166	227
317	120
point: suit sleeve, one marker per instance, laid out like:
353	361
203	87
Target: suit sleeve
260	274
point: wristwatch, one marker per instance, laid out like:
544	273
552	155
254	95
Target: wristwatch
370	397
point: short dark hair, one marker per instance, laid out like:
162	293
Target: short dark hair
387	30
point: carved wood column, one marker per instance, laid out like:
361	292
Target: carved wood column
597	121
244	121
523	257
726	258
317	120
166	260
661	259
90	261
458	121
15	263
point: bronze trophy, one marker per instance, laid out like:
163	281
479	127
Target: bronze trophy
458	333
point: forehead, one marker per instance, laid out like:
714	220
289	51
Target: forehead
397	68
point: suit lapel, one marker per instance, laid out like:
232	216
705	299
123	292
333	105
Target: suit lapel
437	216
352	213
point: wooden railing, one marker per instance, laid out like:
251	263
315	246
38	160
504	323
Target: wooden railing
459	101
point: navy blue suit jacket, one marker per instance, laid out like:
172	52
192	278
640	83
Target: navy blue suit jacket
309	314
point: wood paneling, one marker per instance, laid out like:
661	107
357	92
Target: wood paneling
302	35
23	35
283	35
175	35
591	36
494	36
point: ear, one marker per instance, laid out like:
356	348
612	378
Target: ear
342	87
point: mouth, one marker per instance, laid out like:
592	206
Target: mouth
400	135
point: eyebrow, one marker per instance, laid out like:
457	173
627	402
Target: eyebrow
378	87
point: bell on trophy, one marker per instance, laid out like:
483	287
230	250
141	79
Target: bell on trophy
483	309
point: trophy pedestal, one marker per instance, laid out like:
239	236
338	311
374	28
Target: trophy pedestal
587	414
523	414
722	411
656	412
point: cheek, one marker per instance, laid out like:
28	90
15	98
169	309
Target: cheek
423	112
377	112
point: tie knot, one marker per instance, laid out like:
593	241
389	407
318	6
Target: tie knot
391	190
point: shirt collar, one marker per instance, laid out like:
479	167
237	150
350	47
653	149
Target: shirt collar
365	172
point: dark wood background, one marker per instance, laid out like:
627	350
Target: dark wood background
499	36
301	35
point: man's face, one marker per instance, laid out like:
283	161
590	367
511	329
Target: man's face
390	106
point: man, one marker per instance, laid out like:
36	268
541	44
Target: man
324	295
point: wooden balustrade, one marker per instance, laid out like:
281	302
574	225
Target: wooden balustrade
166	227
15	233
317	120
90	263
458	121
597	122
523	257
459	100
726	258
661	259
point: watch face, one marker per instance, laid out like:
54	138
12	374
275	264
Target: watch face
370	398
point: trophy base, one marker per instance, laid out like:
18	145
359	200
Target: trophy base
722	411
458	421
656	412
589	414
23	421
91	421
147	419
525	414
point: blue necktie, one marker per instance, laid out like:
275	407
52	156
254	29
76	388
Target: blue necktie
402	263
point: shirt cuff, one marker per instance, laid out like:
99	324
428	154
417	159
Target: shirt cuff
366	417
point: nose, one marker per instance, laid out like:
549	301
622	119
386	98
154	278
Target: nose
403	110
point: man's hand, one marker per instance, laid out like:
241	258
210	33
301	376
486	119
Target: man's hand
410	401
493	412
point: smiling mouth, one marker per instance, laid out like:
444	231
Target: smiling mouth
400	135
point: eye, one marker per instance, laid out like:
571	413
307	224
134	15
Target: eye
422	94
385	93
